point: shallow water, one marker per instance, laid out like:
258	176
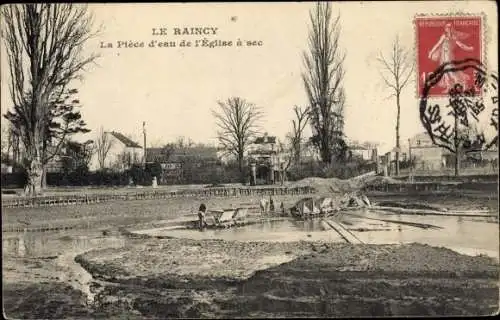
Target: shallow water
274	231
467	235
47	244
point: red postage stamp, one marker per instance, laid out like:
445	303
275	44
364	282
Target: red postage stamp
445	40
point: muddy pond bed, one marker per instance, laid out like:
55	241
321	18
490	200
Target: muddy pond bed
280	267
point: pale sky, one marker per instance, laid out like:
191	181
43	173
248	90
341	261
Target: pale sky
174	89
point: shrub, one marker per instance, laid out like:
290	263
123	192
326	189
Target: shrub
140	176
14	179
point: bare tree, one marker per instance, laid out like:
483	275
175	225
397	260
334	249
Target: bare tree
237	122
290	148
323	82
44	45
103	144
399	68
298	126
182	142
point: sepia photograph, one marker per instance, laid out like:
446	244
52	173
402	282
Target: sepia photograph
249	160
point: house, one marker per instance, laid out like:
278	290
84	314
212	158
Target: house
362	152
124	153
178	155
264	155
426	155
175	160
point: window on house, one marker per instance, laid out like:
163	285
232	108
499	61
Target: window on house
418	142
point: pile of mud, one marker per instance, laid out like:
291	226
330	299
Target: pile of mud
335	185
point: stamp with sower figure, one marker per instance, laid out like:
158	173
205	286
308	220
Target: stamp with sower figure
458	94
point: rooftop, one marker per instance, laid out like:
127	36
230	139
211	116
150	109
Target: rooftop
177	154
125	140
265	139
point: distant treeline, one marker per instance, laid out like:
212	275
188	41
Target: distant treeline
195	173
136	175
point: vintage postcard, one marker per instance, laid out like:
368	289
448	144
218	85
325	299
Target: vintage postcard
249	160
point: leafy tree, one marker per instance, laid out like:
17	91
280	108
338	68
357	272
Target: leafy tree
44	45
77	155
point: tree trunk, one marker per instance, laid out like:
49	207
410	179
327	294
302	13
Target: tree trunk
44	178
457	164
297	153
326	155
240	168
35	172
398	144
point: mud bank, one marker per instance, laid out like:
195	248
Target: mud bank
43	288
161	278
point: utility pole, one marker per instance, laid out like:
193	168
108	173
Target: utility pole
144	134
410	160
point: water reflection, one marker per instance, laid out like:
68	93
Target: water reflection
470	235
269	230
42	244
464	234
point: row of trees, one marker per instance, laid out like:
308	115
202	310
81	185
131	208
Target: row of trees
237	119
44	46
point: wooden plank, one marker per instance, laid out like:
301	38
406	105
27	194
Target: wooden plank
343	232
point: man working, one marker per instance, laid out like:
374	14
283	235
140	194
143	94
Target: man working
201	215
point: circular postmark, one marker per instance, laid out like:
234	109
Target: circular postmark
466	120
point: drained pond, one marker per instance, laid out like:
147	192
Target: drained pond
467	235
140	270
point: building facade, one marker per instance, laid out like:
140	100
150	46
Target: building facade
363	153
176	163
124	153
426	155
265	159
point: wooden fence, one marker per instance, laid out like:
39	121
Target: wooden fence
418	187
65	200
